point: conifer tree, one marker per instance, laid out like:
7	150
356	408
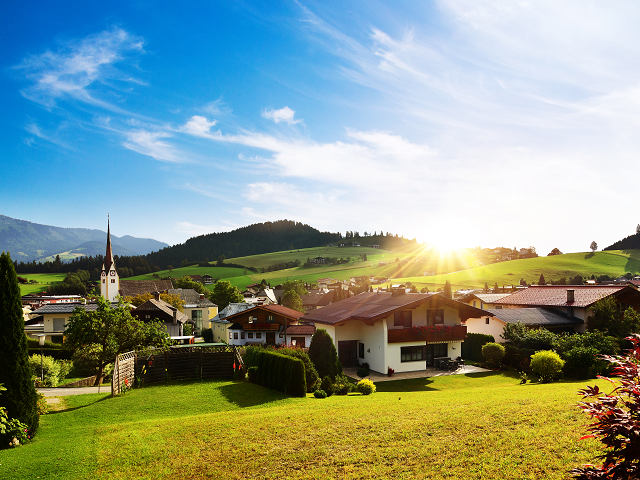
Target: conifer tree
447	290
21	398
542	281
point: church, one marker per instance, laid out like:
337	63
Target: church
109	280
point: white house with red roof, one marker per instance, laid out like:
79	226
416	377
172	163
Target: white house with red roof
403	331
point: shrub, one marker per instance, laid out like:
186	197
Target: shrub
323	354
523	337
493	353
281	372
311	374
187	329
250	356
342	385
365	387
327	385
320	394
616	419
50	368
581	361
547	365
207	335
252	374
362	372
472	345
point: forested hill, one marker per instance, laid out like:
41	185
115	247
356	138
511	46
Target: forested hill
251	240
632	242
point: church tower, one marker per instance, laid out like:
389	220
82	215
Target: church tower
109	280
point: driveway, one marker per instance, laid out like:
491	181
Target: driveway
428	372
63	392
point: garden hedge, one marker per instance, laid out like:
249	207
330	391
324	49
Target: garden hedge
472	346
283	373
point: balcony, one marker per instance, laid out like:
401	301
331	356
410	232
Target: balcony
435	333
250	327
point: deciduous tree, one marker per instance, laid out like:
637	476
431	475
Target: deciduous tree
223	293
593	246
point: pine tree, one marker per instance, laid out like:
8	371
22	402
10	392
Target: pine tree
21	398
447	290
542	281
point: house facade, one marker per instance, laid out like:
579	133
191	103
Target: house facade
261	325
403	331
170	316
199	309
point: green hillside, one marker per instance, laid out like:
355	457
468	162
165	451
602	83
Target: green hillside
43	279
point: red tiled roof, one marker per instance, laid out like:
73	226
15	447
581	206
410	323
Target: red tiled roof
373	305
277	309
556	295
301	330
131	288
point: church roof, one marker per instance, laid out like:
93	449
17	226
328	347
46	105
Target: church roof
131	288
108	257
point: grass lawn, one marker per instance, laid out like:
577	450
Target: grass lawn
452	427
43	279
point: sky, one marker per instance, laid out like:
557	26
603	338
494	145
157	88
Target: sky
459	123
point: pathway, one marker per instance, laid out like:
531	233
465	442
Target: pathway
429	372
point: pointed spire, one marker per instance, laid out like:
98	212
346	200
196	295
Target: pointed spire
108	257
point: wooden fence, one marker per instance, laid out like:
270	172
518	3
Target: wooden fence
123	372
189	362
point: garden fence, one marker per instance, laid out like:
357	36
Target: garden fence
123	372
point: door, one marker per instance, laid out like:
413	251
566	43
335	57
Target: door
271	338
347	351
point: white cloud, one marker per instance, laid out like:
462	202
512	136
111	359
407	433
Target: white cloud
150	144
283	115
199	126
77	65
34	129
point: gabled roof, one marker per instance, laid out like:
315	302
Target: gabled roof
131	288
191	297
275	309
317	299
372	305
556	295
299	330
232	309
154	305
533	317
65	308
487	297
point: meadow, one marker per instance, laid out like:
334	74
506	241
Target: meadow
452	427
44	281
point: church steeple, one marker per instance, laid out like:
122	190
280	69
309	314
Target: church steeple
108	257
109	280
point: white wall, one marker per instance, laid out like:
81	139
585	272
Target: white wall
479	325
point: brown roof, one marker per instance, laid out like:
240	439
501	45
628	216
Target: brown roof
374	305
277	309
300	330
317	299
556	295
154	305
131	288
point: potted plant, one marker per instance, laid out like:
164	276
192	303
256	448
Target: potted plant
390	372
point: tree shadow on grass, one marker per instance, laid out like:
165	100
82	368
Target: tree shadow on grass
245	394
407	385
589	255
71	409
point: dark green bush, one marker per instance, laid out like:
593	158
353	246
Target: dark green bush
342	385
250	356
252	374
324	355
493	353
320	394
310	371
207	335
582	361
281	372
472	346
362	372
327	385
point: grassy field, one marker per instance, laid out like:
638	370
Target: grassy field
453	427
43	279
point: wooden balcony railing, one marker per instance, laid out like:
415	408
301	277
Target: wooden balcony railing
427	334
261	326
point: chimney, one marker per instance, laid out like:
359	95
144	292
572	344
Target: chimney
202	296
175	315
156	295
570	295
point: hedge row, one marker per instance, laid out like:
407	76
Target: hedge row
282	373
56	353
472	346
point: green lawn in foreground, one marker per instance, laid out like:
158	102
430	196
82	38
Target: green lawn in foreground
453	427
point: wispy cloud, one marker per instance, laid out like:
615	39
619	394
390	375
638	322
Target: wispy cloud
71	70
34	129
151	144
283	115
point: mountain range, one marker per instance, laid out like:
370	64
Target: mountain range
29	241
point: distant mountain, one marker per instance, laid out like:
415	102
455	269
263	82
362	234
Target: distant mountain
251	240
29	241
632	242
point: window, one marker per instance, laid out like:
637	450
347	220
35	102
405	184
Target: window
249	334
269	318
439	350
147	316
402	319
474	303
411	354
196	316
103	280
487	321
113	280
281	336
258	334
242	335
230	335
250	319
235	335
435	317
361	350
58	324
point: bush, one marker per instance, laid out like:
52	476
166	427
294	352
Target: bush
250	356
582	361
472	346
547	365
252	374
493	353
523	337
51	369
323	354
365	387
342	385
362	372
311	374
281	372
327	385
616	420
207	335
320	394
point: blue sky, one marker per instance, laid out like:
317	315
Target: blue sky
460	123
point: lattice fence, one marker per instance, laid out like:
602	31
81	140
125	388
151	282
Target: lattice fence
186	363
123	372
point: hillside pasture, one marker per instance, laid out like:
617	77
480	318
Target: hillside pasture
44	281
452	427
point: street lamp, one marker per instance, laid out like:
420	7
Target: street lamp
41	338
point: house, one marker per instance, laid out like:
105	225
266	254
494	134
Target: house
318	261
266	296
317	299
299	335
52	319
569	304
170	316
220	325
197	307
483	301
403	331
495	320
207	279
262	324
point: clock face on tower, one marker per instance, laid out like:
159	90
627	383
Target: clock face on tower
113	273
103	274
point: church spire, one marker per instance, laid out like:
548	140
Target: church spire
108	257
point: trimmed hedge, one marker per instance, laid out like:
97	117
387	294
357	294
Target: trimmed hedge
472	346
56	353
282	373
